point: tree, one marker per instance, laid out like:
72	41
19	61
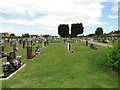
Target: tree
25	35
12	34
46	36
76	29
99	31
63	30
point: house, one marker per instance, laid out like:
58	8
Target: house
35	36
4	34
115	32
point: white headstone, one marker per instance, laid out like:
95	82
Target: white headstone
42	44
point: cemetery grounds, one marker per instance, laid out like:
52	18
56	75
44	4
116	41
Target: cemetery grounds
54	67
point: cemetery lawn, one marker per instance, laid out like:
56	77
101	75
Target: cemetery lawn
56	68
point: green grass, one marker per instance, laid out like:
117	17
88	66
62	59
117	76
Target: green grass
56	68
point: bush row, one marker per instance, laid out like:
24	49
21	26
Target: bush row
114	55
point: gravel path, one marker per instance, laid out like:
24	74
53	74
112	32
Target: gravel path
101	44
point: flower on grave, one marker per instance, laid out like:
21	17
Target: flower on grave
5	64
19	57
16	49
38	49
16	61
5	54
33	53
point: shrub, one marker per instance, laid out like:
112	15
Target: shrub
114	55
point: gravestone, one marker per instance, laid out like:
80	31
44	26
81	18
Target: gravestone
69	47
31	42
27	42
92	46
14	47
47	43
37	50
30	53
86	43
2	54
23	44
11	42
42	44
11	56
0	51
20	41
35	40
64	41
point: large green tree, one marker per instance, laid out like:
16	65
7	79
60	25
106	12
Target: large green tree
46	36
99	31
63	30
76	29
26	35
12	34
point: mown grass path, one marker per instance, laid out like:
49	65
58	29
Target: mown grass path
56	68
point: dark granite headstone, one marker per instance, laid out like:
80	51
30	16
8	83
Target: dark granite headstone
11	56
86	43
30	53
64	41
31	42
14	47
20	41
23	44
92	46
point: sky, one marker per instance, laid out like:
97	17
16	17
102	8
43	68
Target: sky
44	16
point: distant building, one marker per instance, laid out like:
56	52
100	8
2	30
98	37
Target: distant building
115	32
35	36
4	34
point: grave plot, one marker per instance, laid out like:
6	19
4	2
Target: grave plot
93	47
12	65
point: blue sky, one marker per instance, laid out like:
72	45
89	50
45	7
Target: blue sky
39	17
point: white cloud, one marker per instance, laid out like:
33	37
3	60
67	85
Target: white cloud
56	12
113	16
115	6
